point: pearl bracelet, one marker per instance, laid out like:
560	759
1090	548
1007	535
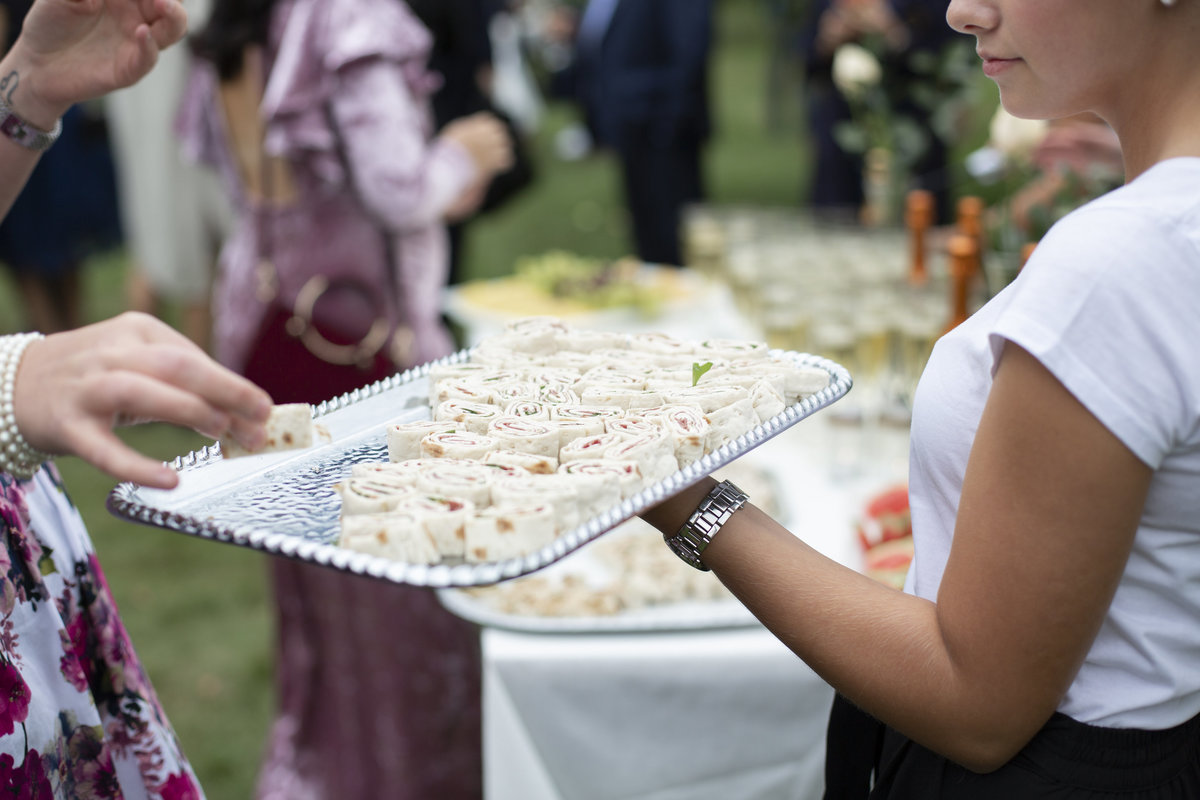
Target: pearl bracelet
17	457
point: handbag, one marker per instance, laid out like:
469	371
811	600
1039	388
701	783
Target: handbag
304	352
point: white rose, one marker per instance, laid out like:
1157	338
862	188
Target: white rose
855	69
1016	138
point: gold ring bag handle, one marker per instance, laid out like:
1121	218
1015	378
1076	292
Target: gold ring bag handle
300	325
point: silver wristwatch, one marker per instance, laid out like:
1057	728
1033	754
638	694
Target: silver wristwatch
25	134
714	510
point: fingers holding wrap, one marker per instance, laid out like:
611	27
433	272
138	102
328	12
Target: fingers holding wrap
74	388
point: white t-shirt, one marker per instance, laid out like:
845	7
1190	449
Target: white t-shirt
1110	304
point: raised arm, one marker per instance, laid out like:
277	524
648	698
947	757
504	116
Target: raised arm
405	180
74	50
1033	568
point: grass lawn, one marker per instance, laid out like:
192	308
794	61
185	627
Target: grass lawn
198	611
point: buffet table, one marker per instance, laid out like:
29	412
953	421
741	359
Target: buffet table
658	712
669	716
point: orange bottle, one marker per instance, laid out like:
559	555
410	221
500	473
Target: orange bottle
918	217
970	223
964	263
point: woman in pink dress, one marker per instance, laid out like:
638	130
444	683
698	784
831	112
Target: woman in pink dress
316	113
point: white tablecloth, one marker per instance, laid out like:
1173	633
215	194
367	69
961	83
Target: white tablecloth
720	715
659	715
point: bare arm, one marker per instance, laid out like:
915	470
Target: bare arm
1049	508
73	50
405	180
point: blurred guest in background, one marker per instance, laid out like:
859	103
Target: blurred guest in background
175	214
66	212
640	74
317	114
463	56
908	37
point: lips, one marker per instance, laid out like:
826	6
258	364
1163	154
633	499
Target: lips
993	66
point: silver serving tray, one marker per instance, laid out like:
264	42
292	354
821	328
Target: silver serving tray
284	503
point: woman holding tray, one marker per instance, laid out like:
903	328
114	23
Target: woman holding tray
78	717
1047	643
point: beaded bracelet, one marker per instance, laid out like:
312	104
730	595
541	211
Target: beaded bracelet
17	457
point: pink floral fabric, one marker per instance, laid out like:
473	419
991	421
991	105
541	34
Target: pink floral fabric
78	716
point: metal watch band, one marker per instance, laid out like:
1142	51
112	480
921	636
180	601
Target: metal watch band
24	134
714	510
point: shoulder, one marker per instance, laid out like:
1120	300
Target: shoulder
1108	305
352	30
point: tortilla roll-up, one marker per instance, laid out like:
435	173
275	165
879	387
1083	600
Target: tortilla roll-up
625	473
663	349
530	409
464	389
497	533
526	435
289	427
634	426
767	400
687	428
371	495
729	422
731	350
595	492
468	481
535	464
798	381
537	490
475	417
571	429
556	394
404	438
442	518
654	455
397	535
457	444
589	447
709	397
595	417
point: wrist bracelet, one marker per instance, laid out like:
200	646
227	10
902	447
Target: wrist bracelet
17	457
25	134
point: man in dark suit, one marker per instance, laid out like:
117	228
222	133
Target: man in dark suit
641	77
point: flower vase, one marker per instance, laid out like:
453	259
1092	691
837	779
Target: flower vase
882	189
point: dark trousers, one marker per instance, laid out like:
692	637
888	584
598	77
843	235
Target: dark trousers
659	182
1065	760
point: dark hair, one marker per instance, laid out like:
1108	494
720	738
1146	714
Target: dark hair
232	26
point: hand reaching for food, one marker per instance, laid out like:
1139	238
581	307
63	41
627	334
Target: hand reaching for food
73	388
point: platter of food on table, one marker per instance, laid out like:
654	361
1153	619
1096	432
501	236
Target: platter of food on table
625	582
599	293
497	461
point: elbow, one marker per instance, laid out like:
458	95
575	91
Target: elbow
399	205
983	757
984	747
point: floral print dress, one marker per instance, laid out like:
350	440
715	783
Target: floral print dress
78	717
